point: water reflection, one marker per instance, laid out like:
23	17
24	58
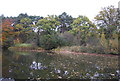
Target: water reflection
50	65
37	66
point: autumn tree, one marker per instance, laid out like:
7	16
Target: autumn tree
1	31
7	32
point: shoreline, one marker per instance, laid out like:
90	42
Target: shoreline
65	52
78	53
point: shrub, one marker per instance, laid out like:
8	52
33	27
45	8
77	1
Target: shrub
67	37
49	42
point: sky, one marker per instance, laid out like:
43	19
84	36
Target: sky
89	8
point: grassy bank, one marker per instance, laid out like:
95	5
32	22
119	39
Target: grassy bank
86	49
25	47
76	49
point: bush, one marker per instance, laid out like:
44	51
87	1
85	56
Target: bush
67	37
49	42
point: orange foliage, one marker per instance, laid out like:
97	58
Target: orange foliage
11	28
7	29
3	38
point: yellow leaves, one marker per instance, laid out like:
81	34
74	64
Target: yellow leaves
114	35
19	26
76	21
103	40
32	25
103	36
114	43
16	41
17	33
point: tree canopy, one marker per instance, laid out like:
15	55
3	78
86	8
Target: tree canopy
49	31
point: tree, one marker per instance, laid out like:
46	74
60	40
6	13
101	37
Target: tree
47	26
65	21
7	32
22	29
107	21
1	17
49	42
82	27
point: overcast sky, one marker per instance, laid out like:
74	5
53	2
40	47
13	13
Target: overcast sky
89	8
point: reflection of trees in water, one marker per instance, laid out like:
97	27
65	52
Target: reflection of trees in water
50	65
7	58
86	66
17	65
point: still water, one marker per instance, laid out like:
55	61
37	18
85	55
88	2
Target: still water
48	65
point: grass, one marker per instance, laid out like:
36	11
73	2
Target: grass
23	45
86	49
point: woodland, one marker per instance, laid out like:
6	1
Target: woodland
63	32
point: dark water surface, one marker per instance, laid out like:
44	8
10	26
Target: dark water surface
47	65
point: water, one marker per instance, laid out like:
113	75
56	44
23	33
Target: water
48	65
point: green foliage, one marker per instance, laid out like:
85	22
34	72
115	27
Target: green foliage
65	21
81	34
107	21
67	37
47	25
51	41
82	28
8	43
23	29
